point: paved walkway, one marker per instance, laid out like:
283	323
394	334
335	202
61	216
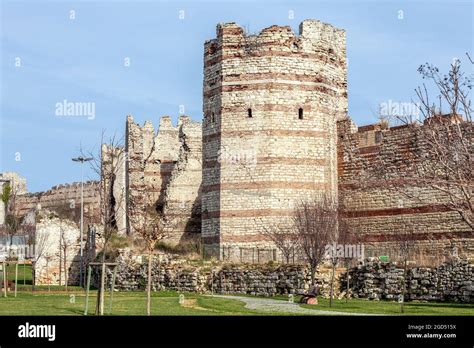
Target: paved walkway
271	305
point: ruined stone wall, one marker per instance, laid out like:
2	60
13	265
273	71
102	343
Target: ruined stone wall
113	179
183	193
271	102
57	241
66	200
165	167
221	278
18	185
152	157
378	210
452	281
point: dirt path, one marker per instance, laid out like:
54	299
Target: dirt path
271	305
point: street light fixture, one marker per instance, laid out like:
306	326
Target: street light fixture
82	160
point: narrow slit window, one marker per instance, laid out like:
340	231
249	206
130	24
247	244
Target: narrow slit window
249	113
300	113
213	118
378	137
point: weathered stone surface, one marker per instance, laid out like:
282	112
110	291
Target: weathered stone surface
259	280
18	186
448	282
248	172
57	243
171	175
65	198
270	107
380	206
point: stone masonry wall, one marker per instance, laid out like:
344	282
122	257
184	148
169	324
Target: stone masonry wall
18	185
452	281
64	198
171	176
183	193
114	160
270	107
377	211
57	240
259	280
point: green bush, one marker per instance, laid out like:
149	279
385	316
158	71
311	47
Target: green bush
181	248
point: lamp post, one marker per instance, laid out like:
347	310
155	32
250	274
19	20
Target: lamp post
82	160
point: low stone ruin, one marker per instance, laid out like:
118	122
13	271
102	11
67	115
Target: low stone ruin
258	280
453	281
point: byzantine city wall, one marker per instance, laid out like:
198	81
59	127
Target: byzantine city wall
165	167
272	100
275	131
380	208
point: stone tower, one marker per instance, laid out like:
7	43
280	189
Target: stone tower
271	102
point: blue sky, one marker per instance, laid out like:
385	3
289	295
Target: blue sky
82	60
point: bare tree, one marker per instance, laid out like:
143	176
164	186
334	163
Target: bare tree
315	223
441	142
435	155
66	242
36	244
107	164
445	160
284	239
406	246
147	220
66	214
336	253
348	237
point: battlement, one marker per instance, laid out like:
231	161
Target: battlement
165	124
275	95
171	175
314	37
370	135
63	196
377	134
17	181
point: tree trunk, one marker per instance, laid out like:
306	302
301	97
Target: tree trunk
60	267
97	304
65	269
102	289
33	275
313	275
347	281
148	286
99	309
331	294
402	303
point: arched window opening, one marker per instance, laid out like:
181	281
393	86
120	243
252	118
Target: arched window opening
300	113
249	113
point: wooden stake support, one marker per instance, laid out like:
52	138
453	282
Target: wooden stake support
87	289
4	273
5	276
16	277
112	285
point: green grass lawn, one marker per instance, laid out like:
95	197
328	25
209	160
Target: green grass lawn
43	302
24	274
24	279
124	303
362	305
393	308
